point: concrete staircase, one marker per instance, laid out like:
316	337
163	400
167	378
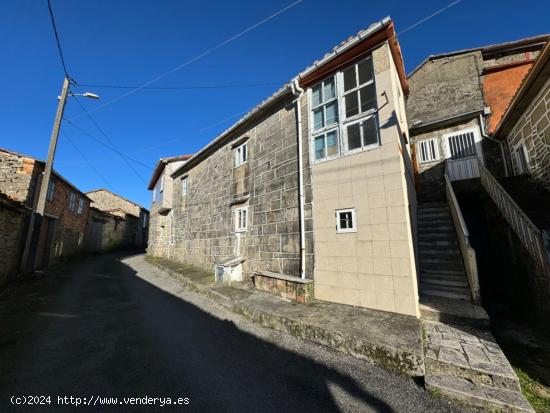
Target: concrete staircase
441	268
462	359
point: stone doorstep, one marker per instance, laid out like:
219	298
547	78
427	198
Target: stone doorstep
478	395
399	358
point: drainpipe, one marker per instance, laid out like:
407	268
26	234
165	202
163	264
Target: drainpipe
298	92
485	135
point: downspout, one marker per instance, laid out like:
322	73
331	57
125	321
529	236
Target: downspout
298	92
485	135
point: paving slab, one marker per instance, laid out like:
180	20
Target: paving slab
391	340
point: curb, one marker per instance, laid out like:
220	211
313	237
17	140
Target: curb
404	363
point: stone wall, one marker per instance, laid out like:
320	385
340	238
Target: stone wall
533	129
107	201
12	231
445	87
202	224
17	177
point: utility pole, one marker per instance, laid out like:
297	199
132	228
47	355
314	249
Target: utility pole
41	205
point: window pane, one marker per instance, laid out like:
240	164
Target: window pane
332	113
365	71
345	220
320	147
368	98
332	144
244	150
370	137
352	105
316	95
329	90
354	137
349	78
318	119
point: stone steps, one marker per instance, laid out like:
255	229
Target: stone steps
456	282
441	271
444	292
466	364
478	395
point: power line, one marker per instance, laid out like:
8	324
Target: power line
88	134
58	42
428	17
199	56
123	157
244	85
87	160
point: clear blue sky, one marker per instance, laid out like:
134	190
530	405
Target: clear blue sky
129	42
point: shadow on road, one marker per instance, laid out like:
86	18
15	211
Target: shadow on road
95	328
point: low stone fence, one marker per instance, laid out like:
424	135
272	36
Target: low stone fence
13	218
285	286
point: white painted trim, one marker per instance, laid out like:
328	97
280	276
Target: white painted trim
237	158
353	221
236	219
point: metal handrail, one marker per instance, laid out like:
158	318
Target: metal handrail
466	250
529	234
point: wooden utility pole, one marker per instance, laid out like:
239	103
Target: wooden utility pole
41	205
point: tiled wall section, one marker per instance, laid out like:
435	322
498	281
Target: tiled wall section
375	266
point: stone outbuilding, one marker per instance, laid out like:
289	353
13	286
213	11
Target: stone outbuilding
126	227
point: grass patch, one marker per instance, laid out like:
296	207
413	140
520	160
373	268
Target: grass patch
536	393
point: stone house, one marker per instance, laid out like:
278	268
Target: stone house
456	100
314	186
66	213
160	223
13	218
134	231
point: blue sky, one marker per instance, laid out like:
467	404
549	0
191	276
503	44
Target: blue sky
129	42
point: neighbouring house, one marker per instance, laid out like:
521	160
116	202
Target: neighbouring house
64	223
315	186
160	223
13	219
476	117
116	222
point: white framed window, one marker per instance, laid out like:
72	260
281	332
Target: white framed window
324	104
343	116
359	88
241	219
345	220
241	154
80	206
522	158
51	190
72	201
162	182
184	186
428	150
145	216
362	134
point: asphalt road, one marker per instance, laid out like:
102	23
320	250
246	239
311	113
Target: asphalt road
115	326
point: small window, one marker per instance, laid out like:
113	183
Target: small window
359	88
363	134
428	150
72	201
241	219
324	104
241	154
522	159
80	206
345	220
162	183
326	145
184	186
51	190
145	221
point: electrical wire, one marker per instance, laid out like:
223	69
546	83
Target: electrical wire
428	17
58	43
244	85
194	59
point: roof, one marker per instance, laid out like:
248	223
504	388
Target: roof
377	32
530	86
161	164
57	174
118	196
492	49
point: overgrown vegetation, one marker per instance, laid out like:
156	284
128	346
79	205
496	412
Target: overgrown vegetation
536	393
